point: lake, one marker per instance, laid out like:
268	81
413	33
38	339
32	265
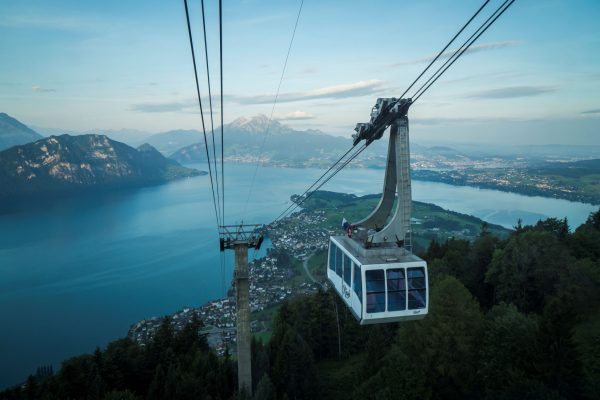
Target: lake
76	273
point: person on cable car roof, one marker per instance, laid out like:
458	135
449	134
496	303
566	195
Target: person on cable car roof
347	227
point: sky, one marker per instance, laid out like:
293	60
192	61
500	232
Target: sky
532	78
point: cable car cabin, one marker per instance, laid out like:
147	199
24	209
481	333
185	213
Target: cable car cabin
383	284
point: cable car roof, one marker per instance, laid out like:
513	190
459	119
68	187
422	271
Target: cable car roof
381	255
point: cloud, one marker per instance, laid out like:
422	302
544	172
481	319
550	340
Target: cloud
512	92
54	22
173	106
476	48
184	105
308	71
344	91
499	75
261	20
442	121
40	89
433	121
595	75
296	115
356	89
595	111
10	84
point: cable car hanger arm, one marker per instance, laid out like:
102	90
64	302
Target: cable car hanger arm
383	114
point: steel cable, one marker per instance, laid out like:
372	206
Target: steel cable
187	17
260	152
222	136
309	195
445	47
212	127
461	50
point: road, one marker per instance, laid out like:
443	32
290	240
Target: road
305	265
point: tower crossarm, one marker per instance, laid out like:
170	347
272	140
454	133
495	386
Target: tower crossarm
232	235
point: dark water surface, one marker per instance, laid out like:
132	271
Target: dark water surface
76	273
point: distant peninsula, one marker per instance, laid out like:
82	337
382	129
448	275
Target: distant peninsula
67	165
574	181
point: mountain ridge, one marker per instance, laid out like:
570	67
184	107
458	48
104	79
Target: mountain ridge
14	132
67	164
256	139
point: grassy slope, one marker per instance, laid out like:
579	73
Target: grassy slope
428	217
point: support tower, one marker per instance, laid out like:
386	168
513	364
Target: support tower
239	238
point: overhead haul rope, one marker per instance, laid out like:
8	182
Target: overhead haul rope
309	193
341	167
187	17
262	146
457	54
212	127
222	255
222	140
462	49
219	198
445	47
317	181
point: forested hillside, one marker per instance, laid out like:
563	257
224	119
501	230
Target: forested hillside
514	318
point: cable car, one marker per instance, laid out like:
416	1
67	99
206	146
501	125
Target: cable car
378	287
372	267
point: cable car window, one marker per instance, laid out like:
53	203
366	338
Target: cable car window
338	261
357	283
332	249
417	294
375	280
396	286
347	270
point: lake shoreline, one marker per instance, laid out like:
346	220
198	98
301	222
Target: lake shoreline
21	203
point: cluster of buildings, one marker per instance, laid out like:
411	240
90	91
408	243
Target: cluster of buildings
512	179
218	317
301	233
461	162
145	329
270	283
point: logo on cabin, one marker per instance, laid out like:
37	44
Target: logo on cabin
345	291
417	312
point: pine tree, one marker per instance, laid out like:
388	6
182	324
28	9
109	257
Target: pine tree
265	389
445	345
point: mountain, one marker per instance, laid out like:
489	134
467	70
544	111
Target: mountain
540	153
13	132
444	151
258	125
132	137
283	146
68	164
171	141
165	142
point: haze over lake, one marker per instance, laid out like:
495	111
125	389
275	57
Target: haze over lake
76	273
